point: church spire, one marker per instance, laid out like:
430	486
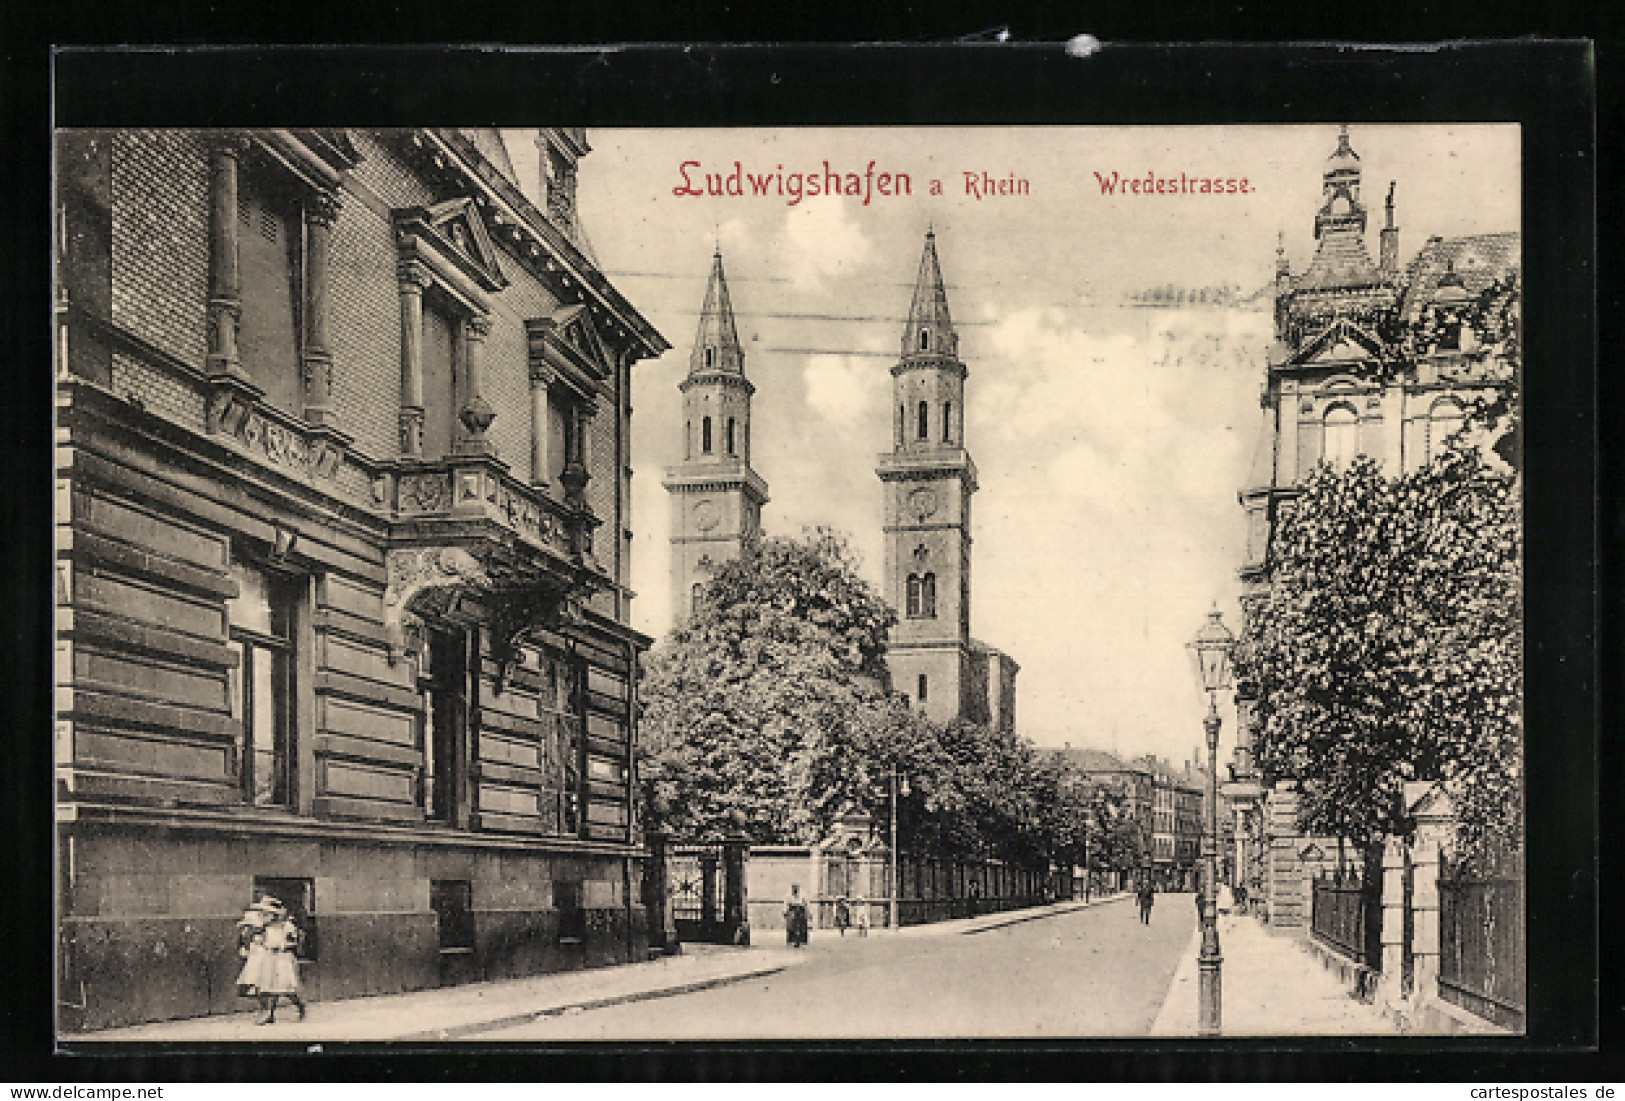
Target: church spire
716	345
930	329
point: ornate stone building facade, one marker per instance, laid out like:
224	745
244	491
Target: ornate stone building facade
1369	358
929	479
343	616
716	497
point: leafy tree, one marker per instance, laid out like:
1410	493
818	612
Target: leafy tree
760	712
1389	647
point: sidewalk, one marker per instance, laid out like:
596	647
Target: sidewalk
1271	985
457	1012
454	1012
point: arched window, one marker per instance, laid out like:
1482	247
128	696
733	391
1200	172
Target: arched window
921	687
1444	420
688	439
902	423
912	601
710	358
1342	436
694	596
928	596
705	435
728	435
925	340
923	429
947	422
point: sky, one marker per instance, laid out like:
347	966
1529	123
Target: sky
1110	438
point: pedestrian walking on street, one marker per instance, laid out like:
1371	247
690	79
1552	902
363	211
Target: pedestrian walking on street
271	970
1146	896
795	918
863	918
843	914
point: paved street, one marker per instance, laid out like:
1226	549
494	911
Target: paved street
1089	972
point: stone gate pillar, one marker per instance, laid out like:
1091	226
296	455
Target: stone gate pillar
735	914
657	893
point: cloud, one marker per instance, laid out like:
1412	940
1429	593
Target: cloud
822	242
842	388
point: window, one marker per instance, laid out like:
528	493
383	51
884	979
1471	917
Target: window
923	427
728	435
452	903
262	689
925	339
947	422
928	596
694	597
912	600
710	358
1444	420
439	350
688	439
922	686
299	896
445	690
705	435
1342	436
270	238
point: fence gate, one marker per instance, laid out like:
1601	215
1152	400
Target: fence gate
707	892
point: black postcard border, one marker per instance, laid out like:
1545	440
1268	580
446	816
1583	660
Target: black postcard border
1546	87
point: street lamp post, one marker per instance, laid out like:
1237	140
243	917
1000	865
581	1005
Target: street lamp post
894	847
1211	649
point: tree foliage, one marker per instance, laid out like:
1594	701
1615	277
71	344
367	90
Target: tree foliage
760	711
767	715
1389	647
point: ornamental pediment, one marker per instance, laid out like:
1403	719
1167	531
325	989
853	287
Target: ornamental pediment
455	232
1341	342
567	343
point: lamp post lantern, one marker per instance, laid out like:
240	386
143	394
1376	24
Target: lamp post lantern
1211	648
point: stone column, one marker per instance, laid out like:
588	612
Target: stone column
1425	916
1389	986
476	413
320	214
225	286
414	279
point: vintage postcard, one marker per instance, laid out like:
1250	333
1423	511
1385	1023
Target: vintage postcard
523	584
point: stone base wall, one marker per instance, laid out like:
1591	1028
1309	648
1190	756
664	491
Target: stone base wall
158	941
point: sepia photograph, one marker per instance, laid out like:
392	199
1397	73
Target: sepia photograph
522	585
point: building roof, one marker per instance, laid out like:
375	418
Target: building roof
1477	260
929	310
1096	761
717	332
489	141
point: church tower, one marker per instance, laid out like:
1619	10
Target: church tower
716	498
928	479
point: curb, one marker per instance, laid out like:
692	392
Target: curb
1052	913
514	1020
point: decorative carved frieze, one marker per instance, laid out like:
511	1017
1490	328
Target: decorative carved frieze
415	571
425	492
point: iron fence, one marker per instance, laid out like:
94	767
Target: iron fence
1482	938
1346	913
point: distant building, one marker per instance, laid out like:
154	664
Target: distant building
1369	357
1131	781
343	611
